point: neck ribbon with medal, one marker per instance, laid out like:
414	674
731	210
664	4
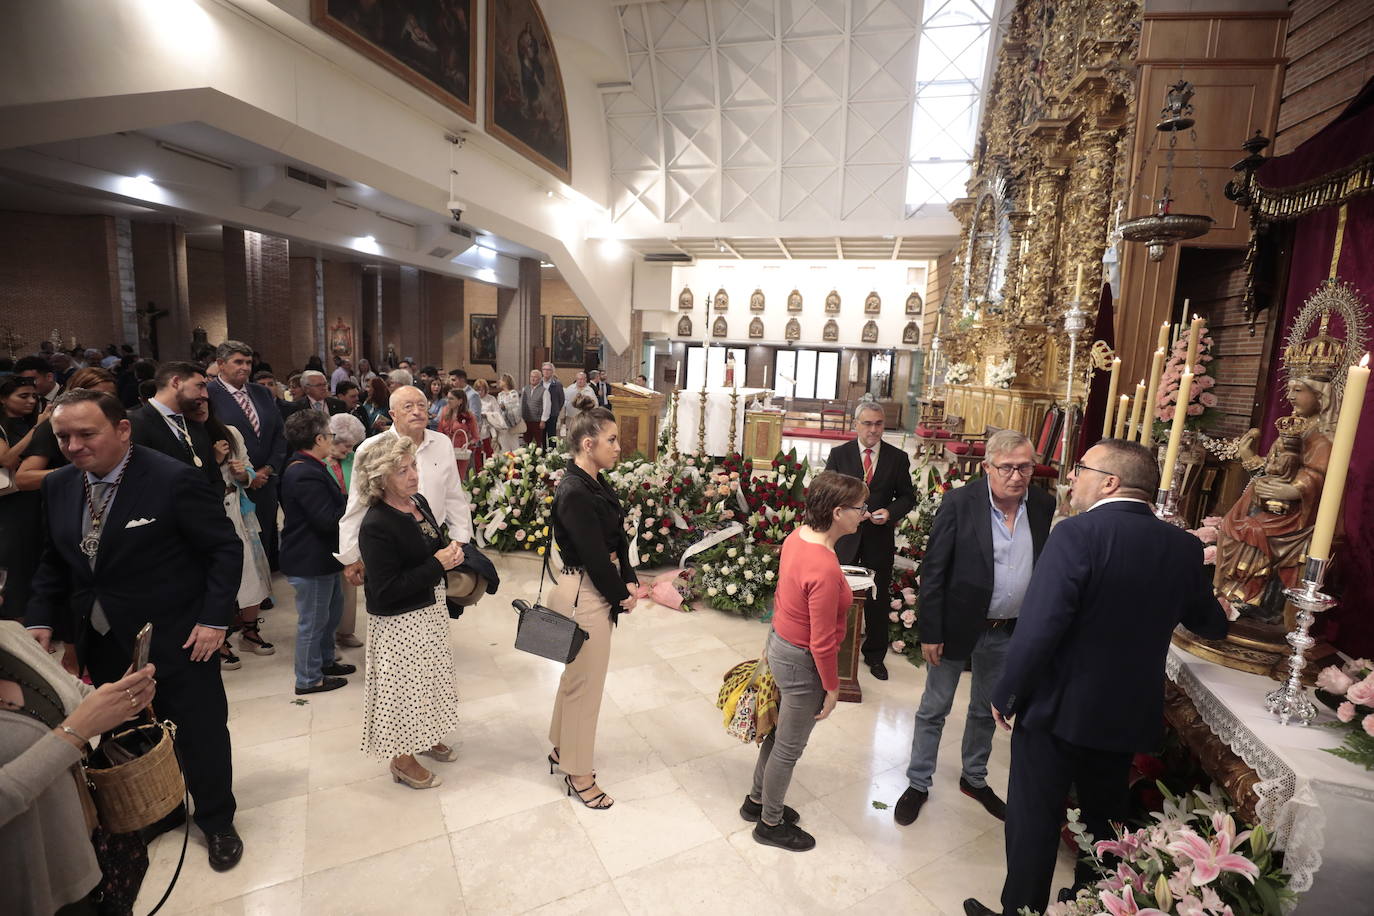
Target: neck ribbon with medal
90	543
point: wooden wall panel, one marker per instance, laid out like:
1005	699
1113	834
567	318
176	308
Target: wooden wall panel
1330	49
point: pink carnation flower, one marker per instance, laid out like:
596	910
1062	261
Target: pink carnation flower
1212	521
1334	680
896	604
1368	725
1346	712
1361	693
1209	555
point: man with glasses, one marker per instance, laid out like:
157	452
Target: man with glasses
1085	675
985	540
887	471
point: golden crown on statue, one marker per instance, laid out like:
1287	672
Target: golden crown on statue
1319	357
1291	425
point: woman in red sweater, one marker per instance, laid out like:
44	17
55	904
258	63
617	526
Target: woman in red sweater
803	648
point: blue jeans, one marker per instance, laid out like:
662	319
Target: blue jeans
319	607
989	655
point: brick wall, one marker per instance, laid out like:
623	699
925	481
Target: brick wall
343	300
1330	52
59	272
301	306
205	282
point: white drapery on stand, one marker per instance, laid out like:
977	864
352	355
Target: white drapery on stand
717	419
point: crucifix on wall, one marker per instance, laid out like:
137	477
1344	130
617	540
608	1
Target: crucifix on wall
147	328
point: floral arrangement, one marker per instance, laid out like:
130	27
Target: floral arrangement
776	499
512	498
913	536
1349	689
1201	400
1001	375
958	373
738	576
1191	860
901	627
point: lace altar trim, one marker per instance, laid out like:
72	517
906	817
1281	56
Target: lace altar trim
1287	806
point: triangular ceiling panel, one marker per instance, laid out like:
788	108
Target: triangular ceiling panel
692	194
743	20
884	16
690	139
637	194
679	24
882	66
748	137
805	18
748	75
634	141
748	194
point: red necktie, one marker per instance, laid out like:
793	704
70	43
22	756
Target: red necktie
337	470
868	465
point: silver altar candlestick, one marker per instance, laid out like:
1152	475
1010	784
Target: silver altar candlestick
1290	702
1075	320
1166	506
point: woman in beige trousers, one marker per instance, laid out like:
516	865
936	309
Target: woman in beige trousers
597	584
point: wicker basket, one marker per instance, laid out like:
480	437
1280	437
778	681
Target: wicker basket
133	795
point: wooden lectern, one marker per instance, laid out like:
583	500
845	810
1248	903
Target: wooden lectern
637	411
850	691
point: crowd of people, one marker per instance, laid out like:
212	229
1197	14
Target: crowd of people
171	493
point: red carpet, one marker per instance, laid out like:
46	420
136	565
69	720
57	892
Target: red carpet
802	432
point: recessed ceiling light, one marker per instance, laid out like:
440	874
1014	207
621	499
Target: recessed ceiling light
143	179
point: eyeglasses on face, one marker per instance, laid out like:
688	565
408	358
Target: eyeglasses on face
860	509
1012	470
1080	467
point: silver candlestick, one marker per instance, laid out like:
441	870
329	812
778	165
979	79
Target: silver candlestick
1075	320
1166	507
1290	702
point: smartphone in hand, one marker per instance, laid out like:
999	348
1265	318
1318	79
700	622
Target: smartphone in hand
142	644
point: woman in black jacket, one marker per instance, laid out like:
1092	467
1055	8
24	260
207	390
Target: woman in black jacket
597	585
411	696
312	502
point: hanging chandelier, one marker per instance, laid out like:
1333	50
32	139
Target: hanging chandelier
1163	227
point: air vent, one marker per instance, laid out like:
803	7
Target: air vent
668	257
396	219
307	177
459	230
445	241
281	208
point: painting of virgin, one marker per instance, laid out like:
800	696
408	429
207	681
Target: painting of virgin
527	108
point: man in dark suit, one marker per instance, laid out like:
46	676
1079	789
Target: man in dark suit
887	471
553	400
350	395
167	422
252	410
983	545
317	396
1085	675
603	391
136	537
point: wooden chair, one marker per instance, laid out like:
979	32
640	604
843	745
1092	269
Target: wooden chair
836	415
1048	444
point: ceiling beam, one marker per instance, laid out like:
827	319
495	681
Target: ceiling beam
787	254
839	248
896	247
731	248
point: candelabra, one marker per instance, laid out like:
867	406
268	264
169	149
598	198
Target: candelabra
1290	702
1075	320
672	423
701	426
734	419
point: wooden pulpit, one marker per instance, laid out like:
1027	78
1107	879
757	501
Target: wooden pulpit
637	411
850	691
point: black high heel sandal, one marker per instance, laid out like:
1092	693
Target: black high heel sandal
555	763
594	802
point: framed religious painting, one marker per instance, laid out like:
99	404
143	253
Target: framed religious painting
794	301
914	303
569	341
756	301
870	332
911	334
756	328
722	300
832	302
831	331
430	44
873	305
685	300
527	108
793	330
684	326
482	339
340	338
719	328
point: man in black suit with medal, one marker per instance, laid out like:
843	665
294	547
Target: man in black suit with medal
887	471
135	537
169	424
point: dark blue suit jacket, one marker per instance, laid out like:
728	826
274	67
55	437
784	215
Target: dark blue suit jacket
312	504
267	448
179	568
1087	660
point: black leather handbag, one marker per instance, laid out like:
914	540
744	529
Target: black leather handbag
546	632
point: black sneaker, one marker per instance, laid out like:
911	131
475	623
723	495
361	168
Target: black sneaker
338	669
250	640
228	661
985	797
751	811
909	806
266	605
784	836
327	683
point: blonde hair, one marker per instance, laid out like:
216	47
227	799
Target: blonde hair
372	467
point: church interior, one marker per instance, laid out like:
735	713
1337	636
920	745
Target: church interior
758	222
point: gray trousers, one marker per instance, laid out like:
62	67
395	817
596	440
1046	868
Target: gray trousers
794	670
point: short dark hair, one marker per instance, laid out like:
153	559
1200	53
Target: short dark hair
182	370
230	347
303	427
828	491
587	424
458	373
145	369
109	404
264	374
344	388
12	383
147	389
33	364
1134	464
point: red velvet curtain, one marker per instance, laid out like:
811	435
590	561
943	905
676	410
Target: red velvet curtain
1350	625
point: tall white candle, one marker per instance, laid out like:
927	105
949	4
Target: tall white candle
1111	396
1137	408
1185	392
1342	444
1151	397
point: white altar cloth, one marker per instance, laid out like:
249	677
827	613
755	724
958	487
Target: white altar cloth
1319	807
717	419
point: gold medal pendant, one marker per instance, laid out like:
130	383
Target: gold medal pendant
196	458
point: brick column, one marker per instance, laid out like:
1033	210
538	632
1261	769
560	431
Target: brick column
518	322
257	282
160	278
409	304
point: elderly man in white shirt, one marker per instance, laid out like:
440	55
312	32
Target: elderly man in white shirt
440	484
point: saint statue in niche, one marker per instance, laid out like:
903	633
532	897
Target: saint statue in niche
684	326
911	334
756	301
832	303
794	301
873	305
729	370
719	328
870	332
831	331
914	303
340	338
685	300
722	300
793	330
756	329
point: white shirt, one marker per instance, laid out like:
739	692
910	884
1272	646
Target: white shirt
547	402
440	485
572	393
1119	499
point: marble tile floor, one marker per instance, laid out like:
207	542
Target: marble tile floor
326	830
